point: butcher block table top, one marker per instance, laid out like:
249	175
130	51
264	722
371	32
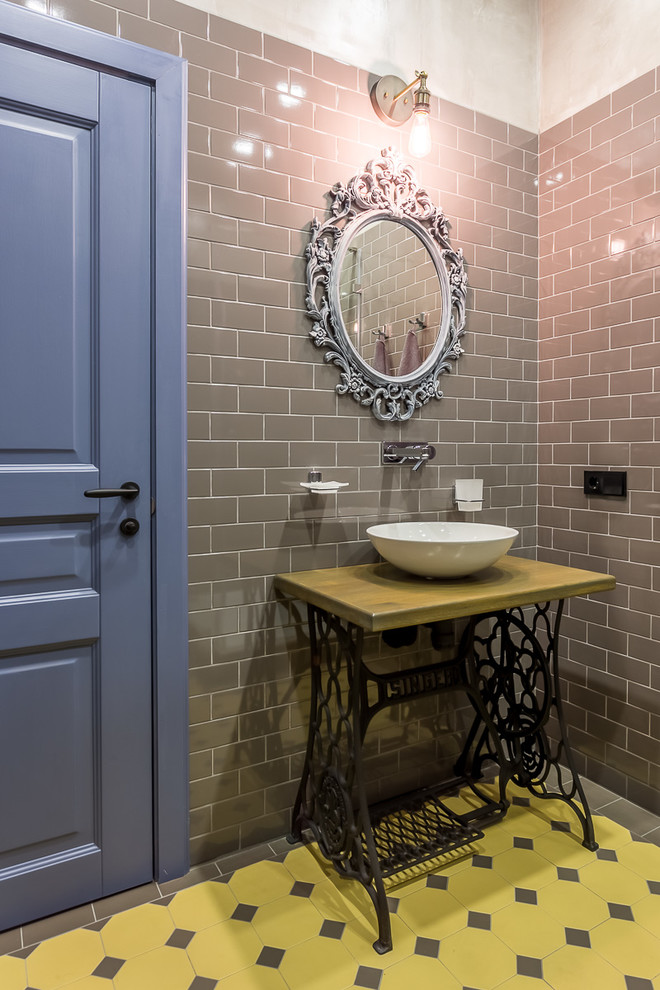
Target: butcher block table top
380	596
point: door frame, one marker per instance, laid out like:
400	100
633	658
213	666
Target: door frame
167	75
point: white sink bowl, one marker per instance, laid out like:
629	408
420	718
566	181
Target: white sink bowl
441	549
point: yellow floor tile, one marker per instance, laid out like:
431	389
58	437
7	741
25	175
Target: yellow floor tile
642	858
64	959
477	958
328	898
574	968
628	947
201	906
526	822
613	882
254	978
524	868
319	964
161	969
286	921
563	849
359	937
307	865
523	983
138	930
480	889
12	973
609	834
420	972
573	905
647	914
261	882
87	983
433	913
528	930
224	949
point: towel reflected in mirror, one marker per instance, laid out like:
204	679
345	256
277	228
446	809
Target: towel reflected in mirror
411	358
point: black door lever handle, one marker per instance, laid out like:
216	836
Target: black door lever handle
129	490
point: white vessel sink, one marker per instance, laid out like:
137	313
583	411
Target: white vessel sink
441	549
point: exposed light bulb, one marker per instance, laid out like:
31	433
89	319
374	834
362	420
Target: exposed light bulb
419	143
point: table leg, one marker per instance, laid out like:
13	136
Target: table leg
518	681
331	800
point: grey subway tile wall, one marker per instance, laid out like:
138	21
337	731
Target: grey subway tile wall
273	127
599	407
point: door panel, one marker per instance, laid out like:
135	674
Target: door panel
75	409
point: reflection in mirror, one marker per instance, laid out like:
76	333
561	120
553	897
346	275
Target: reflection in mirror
386	290
390	297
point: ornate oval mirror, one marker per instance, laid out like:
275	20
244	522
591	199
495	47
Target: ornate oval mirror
385	290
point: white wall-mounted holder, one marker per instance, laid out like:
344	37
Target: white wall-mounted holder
469	494
315	483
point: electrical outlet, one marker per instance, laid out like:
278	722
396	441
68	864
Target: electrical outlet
609	483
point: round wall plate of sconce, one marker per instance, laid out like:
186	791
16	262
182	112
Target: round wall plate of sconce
384	100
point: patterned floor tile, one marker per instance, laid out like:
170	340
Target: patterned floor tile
525	908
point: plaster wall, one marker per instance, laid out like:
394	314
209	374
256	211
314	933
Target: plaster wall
481	54
590	48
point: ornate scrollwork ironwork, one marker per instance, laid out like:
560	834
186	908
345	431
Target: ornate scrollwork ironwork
387	189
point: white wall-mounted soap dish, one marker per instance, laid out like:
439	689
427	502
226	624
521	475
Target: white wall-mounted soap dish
315	483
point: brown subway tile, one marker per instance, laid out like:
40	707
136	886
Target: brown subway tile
208	55
145	32
234	35
93	15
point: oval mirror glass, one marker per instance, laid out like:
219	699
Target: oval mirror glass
390	298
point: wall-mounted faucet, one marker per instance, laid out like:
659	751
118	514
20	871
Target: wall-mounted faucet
395	452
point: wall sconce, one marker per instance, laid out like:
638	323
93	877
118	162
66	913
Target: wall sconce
389	98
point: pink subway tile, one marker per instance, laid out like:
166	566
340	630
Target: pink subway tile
555	135
646	307
610	407
632	429
592	206
647	256
237	92
647	208
589	296
570	192
614	266
591	161
572	322
590	431
633	236
633	91
313	88
611	174
629	382
559	261
258	125
286	106
593	250
632	334
572	148
646	405
576	233
554	347
590	386
592	114
333	71
284	53
632	287
611	127
633	140
609	362
457	115
256	70
591	341
647	158
611	314
572	366
646	109
611	220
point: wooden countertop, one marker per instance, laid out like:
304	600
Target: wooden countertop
380	596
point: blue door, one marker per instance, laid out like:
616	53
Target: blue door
75	586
